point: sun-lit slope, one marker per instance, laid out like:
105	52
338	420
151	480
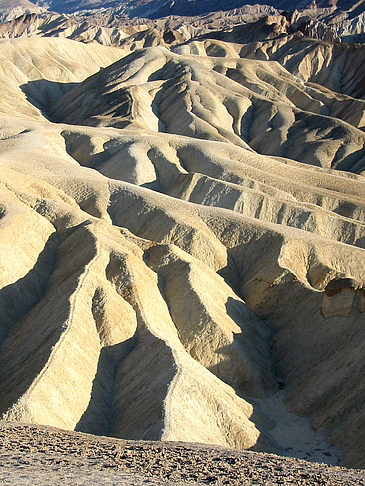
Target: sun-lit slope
162	278
99	274
13	9
43	69
83	364
244	102
330	204
108	332
332	65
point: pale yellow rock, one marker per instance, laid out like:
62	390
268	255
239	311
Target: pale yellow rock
166	242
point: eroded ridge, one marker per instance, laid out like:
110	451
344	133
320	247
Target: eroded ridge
182	243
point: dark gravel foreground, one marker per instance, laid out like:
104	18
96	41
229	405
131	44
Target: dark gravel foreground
42	456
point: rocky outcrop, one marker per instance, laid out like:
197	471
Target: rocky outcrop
337	285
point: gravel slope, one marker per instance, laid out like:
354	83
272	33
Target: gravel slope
41	455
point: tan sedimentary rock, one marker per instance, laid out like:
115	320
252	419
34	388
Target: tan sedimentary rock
166	246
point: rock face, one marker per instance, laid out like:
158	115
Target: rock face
340	294
182	239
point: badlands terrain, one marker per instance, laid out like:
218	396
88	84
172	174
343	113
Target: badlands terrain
182	229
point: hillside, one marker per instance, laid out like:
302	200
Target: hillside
182	236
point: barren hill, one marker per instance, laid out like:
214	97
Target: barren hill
182	239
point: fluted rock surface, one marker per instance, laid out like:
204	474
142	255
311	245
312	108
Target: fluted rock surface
181	236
